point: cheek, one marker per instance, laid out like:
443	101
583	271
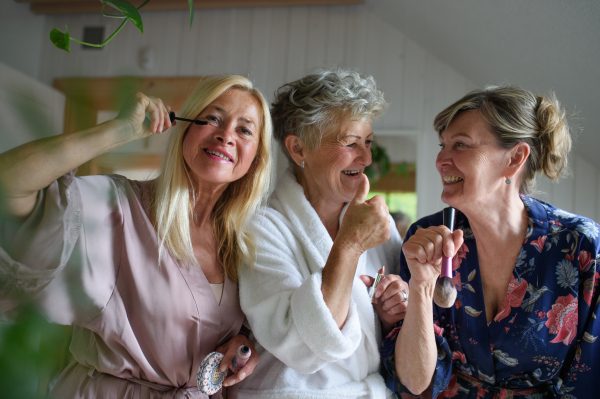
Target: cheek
339	157
247	152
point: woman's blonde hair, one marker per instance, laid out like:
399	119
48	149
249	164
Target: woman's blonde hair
516	115
172	206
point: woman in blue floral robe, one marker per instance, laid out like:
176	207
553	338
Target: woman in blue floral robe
541	343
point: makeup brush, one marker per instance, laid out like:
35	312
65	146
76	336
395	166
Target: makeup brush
445	292
172	117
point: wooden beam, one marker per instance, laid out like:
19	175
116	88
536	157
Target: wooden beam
83	6
111	93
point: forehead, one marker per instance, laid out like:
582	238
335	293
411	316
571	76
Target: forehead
470	124
238	103
361	129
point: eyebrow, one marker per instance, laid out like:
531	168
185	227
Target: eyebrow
242	118
460	135
358	137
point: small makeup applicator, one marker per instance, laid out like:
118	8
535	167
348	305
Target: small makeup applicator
172	117
445	292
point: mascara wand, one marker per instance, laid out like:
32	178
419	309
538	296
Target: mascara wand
172	117
445	292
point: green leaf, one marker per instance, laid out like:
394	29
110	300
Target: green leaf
191	4
128	10
61	40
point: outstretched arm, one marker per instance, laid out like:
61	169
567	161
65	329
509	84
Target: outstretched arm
31	167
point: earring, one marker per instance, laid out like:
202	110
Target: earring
507	181
302	164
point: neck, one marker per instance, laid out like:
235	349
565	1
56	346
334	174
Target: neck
498	222
329	211
204	199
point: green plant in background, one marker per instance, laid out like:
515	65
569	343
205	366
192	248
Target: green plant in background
128	12
380	165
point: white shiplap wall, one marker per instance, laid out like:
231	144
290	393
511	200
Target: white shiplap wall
276	45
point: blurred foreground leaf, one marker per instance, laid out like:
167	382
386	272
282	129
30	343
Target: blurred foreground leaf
32	355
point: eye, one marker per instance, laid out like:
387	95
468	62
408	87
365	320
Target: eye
351	145
459	144
246	131
442	146
212	120
368	143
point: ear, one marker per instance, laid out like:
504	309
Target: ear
295	148
518	158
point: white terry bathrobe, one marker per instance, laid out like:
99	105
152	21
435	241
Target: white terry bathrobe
303	353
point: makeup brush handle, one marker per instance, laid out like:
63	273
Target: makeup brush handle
446	267
449	215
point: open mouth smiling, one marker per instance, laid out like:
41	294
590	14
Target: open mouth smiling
217	154
451	179
351	172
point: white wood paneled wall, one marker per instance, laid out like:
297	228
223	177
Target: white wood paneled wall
579	193
276	45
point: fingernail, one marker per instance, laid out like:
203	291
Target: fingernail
377	294
226	383
242	375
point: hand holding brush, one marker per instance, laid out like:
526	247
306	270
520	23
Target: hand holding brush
429	254
445	292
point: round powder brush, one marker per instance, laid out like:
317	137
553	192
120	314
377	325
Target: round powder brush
445	292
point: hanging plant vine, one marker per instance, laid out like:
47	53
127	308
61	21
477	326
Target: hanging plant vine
128	12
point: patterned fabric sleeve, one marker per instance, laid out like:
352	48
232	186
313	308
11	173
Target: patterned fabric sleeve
443	368
581	379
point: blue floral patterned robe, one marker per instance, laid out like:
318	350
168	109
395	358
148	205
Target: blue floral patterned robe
542	343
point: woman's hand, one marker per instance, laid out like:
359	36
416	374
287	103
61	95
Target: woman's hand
424	251
366	222
389	300
229	349
134	113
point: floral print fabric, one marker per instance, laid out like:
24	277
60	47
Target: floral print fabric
542	343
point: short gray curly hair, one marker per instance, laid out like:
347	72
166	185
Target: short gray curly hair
322	102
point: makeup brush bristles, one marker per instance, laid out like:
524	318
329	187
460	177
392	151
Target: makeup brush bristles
445	292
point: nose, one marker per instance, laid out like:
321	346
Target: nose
443	159
364	158
226	134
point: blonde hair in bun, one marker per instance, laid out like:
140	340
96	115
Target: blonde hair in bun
516	115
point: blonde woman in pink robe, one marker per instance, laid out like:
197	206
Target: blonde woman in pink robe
144	271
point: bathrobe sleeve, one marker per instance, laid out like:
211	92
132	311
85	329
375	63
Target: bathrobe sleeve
281	297
64	257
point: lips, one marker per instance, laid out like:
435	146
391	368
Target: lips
219	153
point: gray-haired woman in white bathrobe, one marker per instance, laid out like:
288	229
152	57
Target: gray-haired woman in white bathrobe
316	330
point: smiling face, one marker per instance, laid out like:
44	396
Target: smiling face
333	170
222	151
471	163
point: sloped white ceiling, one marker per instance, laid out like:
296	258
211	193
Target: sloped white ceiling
539	44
